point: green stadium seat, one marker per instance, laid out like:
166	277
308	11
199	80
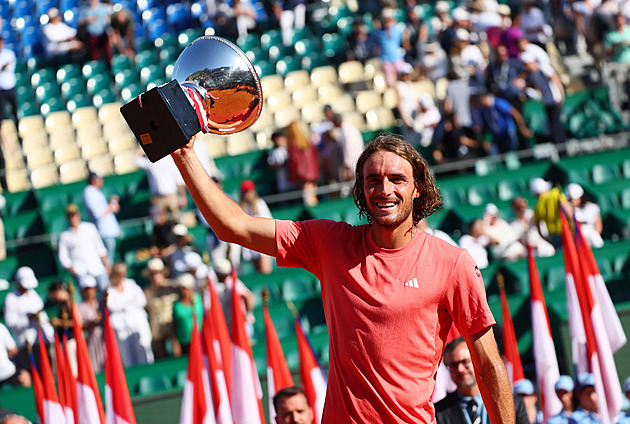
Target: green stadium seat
605	172
282	320
264	68
103	97
555	278
78	101
44	92
120	62
272	37
286	65
344	25
312	314
151	74
453	196
248	42
301	34
279	52
28	109
625	168
94	67
180	379
98	83
147	58
306	47
68	72
43	76
333	44
72	87
24	94
25	224
169	55
297	287
313	60
481	194
509	189
18	202
188	36
151	384
131	92
126	78
165	41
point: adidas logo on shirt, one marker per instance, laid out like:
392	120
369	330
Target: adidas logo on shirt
412	283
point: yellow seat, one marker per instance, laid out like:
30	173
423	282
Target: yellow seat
56	120
329	92
30	124
110	111
66	153
17	180
84	115
39	158
94	149
284	117
271	84
313	112
278	100
35	142
355	118
368	100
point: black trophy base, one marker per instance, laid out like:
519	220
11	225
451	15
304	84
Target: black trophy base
162	119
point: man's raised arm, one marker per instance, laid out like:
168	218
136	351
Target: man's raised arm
230	223
491	377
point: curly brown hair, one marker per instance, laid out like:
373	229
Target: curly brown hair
428	201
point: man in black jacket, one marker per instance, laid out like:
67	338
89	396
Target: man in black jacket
465	406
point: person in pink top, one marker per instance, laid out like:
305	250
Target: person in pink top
390	291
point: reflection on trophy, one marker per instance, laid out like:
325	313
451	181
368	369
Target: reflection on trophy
215	90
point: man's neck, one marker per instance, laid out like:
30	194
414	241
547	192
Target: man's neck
469	391
395	238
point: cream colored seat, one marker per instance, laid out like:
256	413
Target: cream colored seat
73	171
351	72
123	163
379	119
83	116
122	143
327	93
30	124
39	158
239	143
89	134
284	117
296	80
265	120
303	96
390	98
102	165
424	86
343	104
44	176
355	118
56	120
278	100
323	75
61	138
368	100
313	112
66	153
110	111
271	84
34	142
17	180
94	149
372	67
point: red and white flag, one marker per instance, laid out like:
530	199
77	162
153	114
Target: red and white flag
314	380
545	359
513	363
71	380
196	398
217	383
89	403
599	356
278	374
246	389
118	408
38	391
63	382
53	412
221	336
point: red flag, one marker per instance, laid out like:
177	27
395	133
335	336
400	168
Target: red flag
278	374
52	409
313	376
89	403
218	385
545	359
221	333
63	382
510	346
118	409
246	390
38	391
196	399
599	358
72	382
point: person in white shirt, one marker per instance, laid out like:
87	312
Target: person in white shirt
167	188
7	82
534	24
126	302
101	212
351	141
81	249
424	226
9	373
504	239
527	231
224	285
59	37
476	242
587	213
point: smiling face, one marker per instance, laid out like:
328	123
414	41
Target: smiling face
389	190
460	367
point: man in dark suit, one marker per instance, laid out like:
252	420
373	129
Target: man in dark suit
465	406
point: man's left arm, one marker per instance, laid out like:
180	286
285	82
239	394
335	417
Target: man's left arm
491	376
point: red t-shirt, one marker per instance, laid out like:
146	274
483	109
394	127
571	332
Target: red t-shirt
388	312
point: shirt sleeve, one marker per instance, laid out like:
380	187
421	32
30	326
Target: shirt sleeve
6	338
299	243
98	241
64	255
16	321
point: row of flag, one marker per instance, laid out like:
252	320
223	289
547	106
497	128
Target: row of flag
222	384
594	326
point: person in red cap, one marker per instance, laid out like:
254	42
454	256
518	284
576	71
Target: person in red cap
255	206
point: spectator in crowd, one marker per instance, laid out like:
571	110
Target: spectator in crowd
237	19
167	188
7	83
331	158
433	63
193	264
9	373
23	308
60	39
255	206
624	418
14	419
277	160
126	302
504	78
81	249
602	22
534	24
102	212
494	33
424	226
476	242
416	33
292	407
564	390
513	34
539	54
122	35
407	104
162	237
291	15
224	287
161	293
523	224
582	12
351	142
91	311
587	411
388	37
441	22
318	130
457	103
175	262
547	211
587	213
452	143
504	239
59	298
617	41
361	46
465	405
471	54
303	163
187	307
96	19
525	389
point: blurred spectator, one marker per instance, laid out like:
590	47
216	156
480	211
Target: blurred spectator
175	262
452	143
361	45
564	390
547	211
351	142
504	78
59	298
587	213
292	15
540	56
523	224
318	130
3	202
162	237
224	286
471	54
91	316
442	20
101	212
501	119
255	206
388	37
60	39
303	163
602	22
534	24
161	294
525	389
617	41
582	14
475	242
7	83
277	160
494	33
14	419
513	34
126	302
167	188
122	31
96	19
193	264
236	20
504	240
188	305
9	373
424	226
81	249
586	412
407	104
457	103
331	158
416	33
433	63
624	418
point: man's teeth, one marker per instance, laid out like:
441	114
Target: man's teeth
386	205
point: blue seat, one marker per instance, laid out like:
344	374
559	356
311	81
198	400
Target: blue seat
22	8
178	16
156	29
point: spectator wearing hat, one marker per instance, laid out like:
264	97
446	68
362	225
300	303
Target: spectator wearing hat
407	103
91	311
523	224
504	240
586	412
416	33
60	39
433	61
564	390
126	302
547	210
587	213
452	143
224	287
9	373
82	251
161	293
255	206
388	36
101	212
525	389
188	307
175	261
624	418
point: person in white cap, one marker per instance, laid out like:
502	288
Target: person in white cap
407	103
175	261
126	302
525	389
587	411
564	390
91	315
504	240
547	210
587	213
187	307
224	285
161	293
624	417
60	39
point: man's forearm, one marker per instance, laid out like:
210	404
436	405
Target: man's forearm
497	394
